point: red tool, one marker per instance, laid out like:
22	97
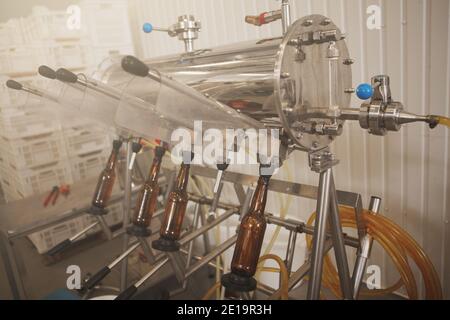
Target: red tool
53	193
65	190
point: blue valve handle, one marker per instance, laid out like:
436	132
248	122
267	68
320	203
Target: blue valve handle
148	27
364	91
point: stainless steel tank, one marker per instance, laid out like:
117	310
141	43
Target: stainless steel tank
297	83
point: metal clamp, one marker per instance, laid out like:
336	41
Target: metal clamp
321	161
186	29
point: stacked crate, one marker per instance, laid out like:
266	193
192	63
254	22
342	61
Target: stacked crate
108	28
32	146
37	150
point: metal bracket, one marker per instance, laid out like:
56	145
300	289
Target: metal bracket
322	160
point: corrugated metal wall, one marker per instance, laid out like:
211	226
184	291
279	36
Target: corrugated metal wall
409	170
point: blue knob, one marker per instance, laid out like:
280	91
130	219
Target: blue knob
148	27
364	91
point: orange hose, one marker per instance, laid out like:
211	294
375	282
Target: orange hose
399	245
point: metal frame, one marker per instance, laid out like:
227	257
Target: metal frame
327	197
242	180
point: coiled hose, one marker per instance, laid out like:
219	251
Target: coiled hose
400	246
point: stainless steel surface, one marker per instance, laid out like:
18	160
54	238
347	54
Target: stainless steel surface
186	29
286	15
382	115
375	205
105	227
82	232
194	226
339	244
148	253
212	255
126	214
208	226
156	267
290	251
318	246
124	255
279	81
247	201
364	252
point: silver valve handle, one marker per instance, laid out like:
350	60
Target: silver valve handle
382	114
186	29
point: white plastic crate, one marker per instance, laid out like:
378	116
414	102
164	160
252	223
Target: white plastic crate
113	218
107	22
9	194
47	239
28	121
40	180
44	24
88	166
33	152
70	55
23	59
11	33
10	98
86	139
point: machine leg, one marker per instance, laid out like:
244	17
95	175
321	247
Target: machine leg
364	252
339	245
104	226
126	215
147	250
320	230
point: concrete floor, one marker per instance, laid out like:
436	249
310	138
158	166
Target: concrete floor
42	276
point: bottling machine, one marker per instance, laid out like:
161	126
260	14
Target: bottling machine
299	83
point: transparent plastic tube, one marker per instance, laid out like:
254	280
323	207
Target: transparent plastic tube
284	276
444	121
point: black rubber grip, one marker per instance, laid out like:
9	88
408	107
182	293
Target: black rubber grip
96	278
136	147
59	247
159	152
14	85
47	72
65	75
223	166
127	294
117	144
135	66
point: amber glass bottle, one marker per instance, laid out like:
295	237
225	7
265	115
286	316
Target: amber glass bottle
249	242
148	196
106	180
174	213
176	206
251	233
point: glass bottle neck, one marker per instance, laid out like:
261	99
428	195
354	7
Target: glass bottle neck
154	170
112	160
258	204
183	177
